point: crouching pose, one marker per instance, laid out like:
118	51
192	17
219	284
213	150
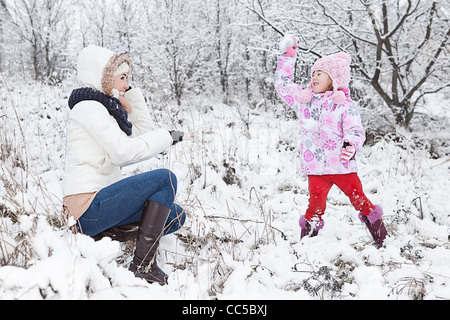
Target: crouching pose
110	127
332	134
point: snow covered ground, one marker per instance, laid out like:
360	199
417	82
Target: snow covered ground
240	184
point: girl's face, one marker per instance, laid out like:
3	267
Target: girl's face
121	83
321	82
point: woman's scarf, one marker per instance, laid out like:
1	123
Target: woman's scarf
111	104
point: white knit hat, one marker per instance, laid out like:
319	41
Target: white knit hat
123	68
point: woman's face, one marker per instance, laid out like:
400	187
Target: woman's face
321	82
121	83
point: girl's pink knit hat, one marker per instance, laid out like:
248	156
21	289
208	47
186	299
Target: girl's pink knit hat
338	68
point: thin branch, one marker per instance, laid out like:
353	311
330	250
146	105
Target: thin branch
430	92
261	16
348	32
444	43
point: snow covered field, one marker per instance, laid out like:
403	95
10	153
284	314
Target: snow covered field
240	184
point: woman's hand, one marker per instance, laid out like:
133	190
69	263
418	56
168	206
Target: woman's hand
125	104
178	136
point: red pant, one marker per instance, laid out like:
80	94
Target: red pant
319	186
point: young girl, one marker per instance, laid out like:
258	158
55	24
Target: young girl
110	127
331	134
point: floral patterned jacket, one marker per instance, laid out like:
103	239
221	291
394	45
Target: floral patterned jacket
324	125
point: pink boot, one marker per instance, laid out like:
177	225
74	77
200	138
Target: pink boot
375	224
306	227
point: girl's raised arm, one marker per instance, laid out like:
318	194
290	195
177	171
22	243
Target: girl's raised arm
286	88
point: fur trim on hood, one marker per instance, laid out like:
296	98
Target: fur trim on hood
96	67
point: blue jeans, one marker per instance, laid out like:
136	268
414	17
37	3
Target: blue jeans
122	202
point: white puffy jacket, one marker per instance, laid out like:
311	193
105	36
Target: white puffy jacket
96	147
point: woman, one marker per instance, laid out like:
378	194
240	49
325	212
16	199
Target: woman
110	127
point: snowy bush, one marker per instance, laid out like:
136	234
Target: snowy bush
240	184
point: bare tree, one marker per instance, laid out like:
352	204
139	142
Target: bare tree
40	24
175	42
129	15
400	47
97	22
223	43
